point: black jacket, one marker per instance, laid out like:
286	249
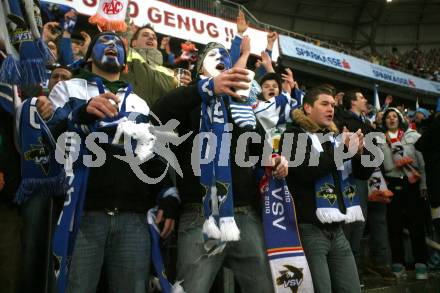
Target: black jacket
184	105
115	185
352	122
301	179
428	144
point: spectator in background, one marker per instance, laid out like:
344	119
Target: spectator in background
167	56
50	34
421	117
79	48
338	99
60	33
428	145
408	183
377	125
188	57
150	80
145	39
58	74
353	118
273	110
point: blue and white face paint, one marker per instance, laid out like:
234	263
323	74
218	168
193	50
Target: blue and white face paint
108	53
216	61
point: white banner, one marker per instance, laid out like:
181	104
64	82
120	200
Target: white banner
181	23
298	49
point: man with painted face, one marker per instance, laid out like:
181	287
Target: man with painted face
199	112
113	233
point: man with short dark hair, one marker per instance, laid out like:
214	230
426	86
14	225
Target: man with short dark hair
149	78
59	73
320	192
144	37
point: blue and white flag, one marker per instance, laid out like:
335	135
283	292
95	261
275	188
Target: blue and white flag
376	98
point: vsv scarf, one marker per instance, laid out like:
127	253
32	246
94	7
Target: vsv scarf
401	160
156	254
327	205
41	174
377	188
216	174
288	264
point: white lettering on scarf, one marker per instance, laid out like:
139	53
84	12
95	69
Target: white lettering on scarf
278	210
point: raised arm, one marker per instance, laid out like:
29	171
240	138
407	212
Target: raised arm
242	26
246	51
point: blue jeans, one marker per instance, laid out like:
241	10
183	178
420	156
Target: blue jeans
246	257
330	259
119	244
378	242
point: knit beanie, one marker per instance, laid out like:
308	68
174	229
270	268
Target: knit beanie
402	123
208	48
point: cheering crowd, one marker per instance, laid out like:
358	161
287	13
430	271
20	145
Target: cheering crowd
119	145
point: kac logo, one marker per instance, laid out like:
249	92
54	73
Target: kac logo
113	7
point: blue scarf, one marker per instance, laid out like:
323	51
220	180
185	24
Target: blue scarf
216	174
41	174
156	254
33	52
288	264
68	223
327	205
110	123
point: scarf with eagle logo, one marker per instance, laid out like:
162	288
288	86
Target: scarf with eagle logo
41	174
288	264
327	205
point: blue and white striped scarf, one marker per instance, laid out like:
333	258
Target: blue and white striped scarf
216	174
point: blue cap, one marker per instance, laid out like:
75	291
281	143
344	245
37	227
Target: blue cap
424	112
438	105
